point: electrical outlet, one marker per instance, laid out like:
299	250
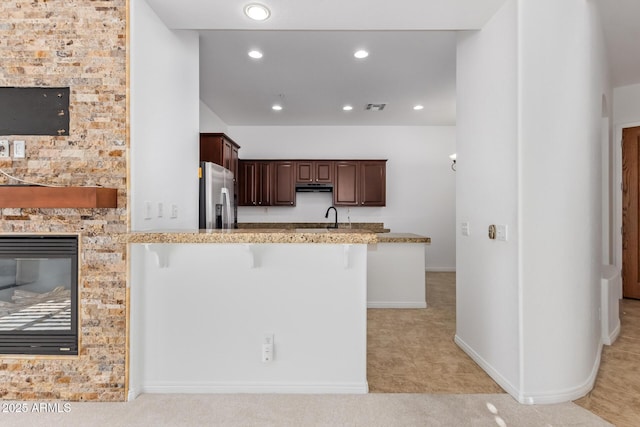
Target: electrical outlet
4	148
18	150
174	211
160	209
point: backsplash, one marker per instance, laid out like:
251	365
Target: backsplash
80	44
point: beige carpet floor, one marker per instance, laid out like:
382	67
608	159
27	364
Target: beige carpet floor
368	410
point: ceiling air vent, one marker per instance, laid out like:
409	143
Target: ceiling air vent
375	107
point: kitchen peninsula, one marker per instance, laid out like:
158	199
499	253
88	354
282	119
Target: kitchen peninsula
203	303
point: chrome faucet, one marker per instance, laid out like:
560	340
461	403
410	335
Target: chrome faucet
326	215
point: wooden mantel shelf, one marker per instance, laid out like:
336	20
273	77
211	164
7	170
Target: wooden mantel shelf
26	196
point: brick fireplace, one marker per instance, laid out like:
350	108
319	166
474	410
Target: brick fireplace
79	44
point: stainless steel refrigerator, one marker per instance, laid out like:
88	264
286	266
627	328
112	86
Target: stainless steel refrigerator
217	198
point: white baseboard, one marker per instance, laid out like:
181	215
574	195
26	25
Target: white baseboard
132	394
396	304
551	397
233	387
613	336
497	377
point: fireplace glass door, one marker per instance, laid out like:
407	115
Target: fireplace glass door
38	294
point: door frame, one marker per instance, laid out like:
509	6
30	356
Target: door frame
617	192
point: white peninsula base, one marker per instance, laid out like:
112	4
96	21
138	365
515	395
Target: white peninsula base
200	313
396	275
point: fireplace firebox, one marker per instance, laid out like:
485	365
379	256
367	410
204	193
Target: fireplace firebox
39	294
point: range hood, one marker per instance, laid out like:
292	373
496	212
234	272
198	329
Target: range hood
314	188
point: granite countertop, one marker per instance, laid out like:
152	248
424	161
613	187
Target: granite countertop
402	238
274	235
376	227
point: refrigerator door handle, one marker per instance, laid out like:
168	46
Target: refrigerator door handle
209	216
226	203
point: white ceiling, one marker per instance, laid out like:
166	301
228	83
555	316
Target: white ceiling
308	62
313	74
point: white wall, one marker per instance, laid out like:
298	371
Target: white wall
420	182
626	104
529	144
560	206
209	121
487	193
164	122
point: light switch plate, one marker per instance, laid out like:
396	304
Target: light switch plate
147	210
18	150
501	232
465	228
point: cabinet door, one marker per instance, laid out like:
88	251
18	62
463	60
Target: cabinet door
227	153
323	172
263	183
345	190
211	148
304	171
248	178
284	186
372	183
234	162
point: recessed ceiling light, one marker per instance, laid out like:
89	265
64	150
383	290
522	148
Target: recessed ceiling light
255	54
347	108
361	54
257	12
418	107
276	107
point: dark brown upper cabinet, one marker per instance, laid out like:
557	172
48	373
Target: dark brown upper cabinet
284	193
345	188
360	183
255	183
219	149
373	183
318	171
273	182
